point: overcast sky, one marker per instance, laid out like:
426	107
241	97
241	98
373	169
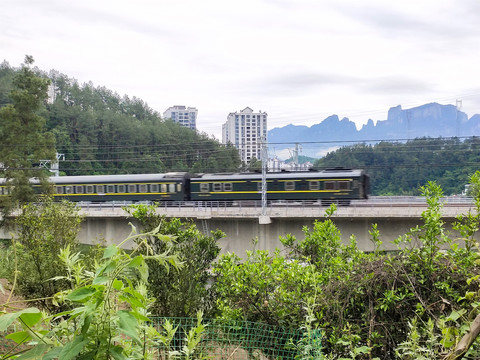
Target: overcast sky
298	60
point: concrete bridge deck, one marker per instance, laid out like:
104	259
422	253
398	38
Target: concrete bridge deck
243	223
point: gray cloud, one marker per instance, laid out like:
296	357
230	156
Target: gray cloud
301	82
396	85
394	23
78	12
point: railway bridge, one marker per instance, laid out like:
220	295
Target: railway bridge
247	226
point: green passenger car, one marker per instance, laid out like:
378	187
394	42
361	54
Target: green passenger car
336	185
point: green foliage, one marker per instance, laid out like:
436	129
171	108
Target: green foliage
25	141
254	165
109	318
302	159
191	344
309	346
364	303
102	133
322	247
43	230
468	224
184	292
264	288
422	342
372	307
428	239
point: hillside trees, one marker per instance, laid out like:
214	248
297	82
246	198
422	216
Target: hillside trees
402	168
25	141
100	132
6	80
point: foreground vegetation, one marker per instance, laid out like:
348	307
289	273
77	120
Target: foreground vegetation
421	302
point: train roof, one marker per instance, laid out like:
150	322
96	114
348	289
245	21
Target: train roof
325	174
85	179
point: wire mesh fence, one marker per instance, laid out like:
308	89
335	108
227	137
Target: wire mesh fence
222	340
241	340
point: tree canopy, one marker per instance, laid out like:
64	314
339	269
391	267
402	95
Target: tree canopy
25	139
402	168
100	132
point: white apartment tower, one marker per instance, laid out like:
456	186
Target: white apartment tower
246	130
186	116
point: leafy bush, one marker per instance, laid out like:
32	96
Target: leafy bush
187	291
43	230
109	318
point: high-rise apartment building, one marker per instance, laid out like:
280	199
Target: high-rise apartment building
246	130
186	116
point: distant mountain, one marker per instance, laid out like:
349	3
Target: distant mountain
429	120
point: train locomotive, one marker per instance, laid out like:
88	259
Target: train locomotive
331	185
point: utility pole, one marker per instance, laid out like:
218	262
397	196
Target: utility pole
264	219
54	166
264	177
294	156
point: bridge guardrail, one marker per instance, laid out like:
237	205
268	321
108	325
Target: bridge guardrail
408	206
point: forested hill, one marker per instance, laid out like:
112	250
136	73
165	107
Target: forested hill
401	168
101	132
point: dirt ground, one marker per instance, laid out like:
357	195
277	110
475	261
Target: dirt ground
15	301
16	304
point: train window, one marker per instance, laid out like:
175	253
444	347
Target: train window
100	189
259	186
68	189
111	188
179	187
289	185
163	188
143	188
171	188
132	188
344	185
227	187
314	185
89	189
79	189
204	187
59	189
217	187
120	188
153	188
329	185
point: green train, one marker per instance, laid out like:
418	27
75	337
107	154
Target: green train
331	185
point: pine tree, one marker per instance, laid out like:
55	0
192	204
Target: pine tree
24	140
